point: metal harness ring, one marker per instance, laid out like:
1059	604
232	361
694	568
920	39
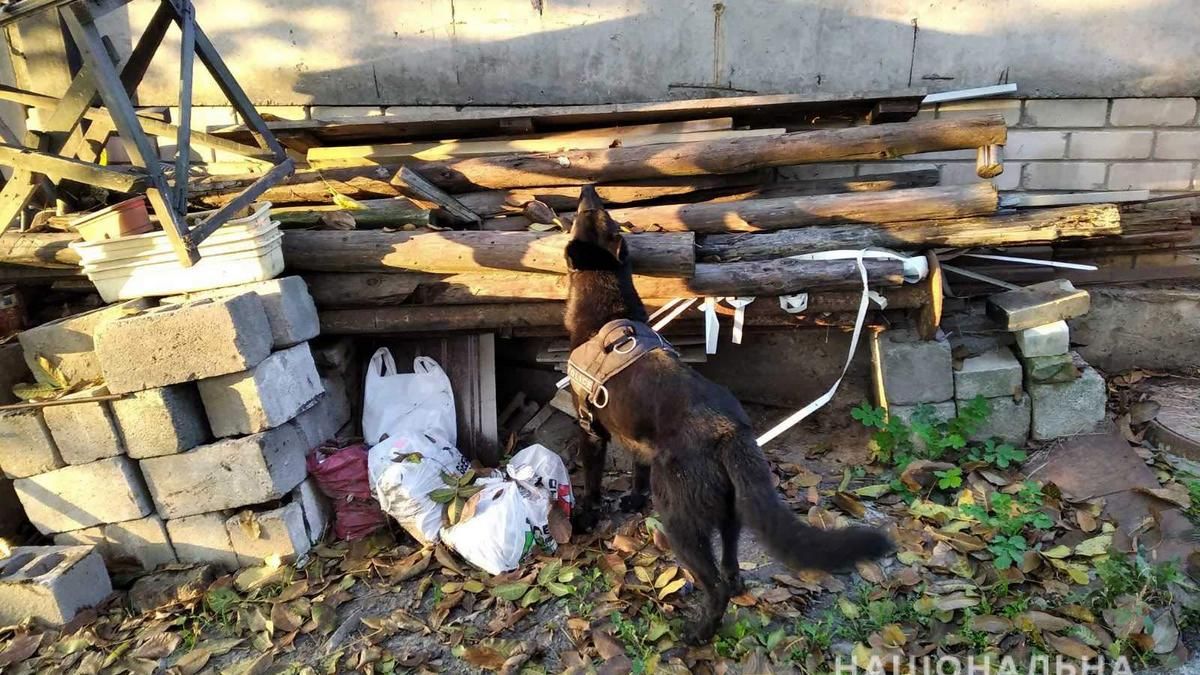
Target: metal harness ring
629	340
599	401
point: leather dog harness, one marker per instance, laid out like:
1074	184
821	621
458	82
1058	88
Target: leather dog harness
618	345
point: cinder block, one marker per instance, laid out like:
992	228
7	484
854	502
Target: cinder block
1045	340
68	344
331	412
266	396
1035	145
915	370
84	432
1066	112
88	536
72	498
1009	108
1052	369
1111	144
1150	176
1177	145
333	113
13	370
317	510
258	535
1069	408
51	584
990	375
26	447
290	310
1009	420
202	538
144	541
227	474
1065	175
1038	304
161	421
945	410
181	343
1152	112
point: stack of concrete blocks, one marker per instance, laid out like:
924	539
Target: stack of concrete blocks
1068	396
209	426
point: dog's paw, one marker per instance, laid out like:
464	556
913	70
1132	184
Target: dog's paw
736	585
634	501
585	519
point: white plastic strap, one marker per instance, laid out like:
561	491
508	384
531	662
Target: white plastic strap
1033	261
712	327
739	316
796	417
679	309
794	304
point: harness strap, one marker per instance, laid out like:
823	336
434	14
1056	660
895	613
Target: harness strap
616	346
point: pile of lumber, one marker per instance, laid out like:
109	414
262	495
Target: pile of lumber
398	230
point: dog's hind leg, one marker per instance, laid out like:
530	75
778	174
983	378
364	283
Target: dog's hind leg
731	572
691	542
639	496
592	449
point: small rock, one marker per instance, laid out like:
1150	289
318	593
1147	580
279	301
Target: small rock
171	585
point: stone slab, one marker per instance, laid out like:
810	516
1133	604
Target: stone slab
318	512
74	497
227	474
329	414
1039	304
181	343
1152	326
51	584
162	421
266	396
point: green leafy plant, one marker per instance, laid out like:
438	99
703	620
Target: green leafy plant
949	479
640	635
925	436
746	633
999	455
456	494
1008	550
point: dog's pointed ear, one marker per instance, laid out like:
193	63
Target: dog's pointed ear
589	199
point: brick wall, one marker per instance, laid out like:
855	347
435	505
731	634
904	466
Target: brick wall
1054	145
1059	145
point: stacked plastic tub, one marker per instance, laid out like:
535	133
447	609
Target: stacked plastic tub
241	251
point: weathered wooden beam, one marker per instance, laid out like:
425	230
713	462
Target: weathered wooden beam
1020	227
668	254
882	141
63	168
751	215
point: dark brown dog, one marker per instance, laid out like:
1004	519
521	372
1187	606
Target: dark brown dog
691	440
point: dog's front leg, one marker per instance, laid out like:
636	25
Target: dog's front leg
592	449
639	496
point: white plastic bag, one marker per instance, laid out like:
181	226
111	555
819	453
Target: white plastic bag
420	402
497	535
541	467
404	469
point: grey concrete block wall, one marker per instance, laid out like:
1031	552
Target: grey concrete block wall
162	421
181	343
990	375
280	532
271	393
228	474
1009	420
74	497
84	432
26	446
1150	326
51	584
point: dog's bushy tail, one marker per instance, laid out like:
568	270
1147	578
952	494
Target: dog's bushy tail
786	537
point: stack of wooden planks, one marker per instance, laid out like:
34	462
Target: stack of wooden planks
436	235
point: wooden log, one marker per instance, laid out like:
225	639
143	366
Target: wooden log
302	187
754	215
667	254
414	186
777	277
883	141
1021	227
47	250
378	213
396	153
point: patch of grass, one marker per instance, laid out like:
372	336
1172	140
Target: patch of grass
747	632
640	635
1133	575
